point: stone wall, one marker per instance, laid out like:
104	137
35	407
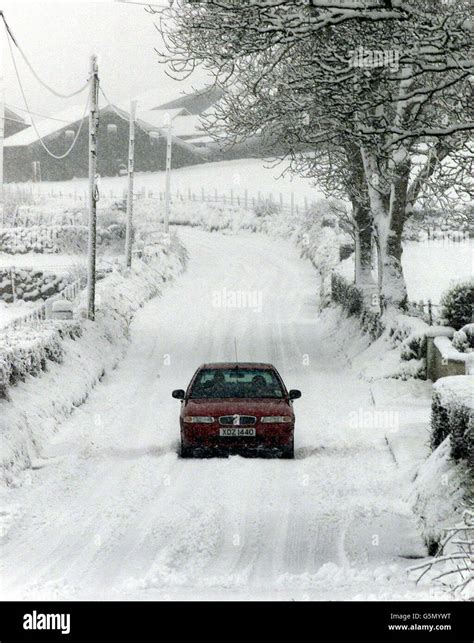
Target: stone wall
442	359
30	284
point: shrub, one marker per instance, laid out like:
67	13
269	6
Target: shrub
352	301
347	295
463	339
457	304
345	250
452	415
266	208
414	347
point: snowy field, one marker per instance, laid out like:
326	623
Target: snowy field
238	175
432	267
110	510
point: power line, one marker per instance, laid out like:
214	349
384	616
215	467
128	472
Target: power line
55	156
50	118
10	36
14	120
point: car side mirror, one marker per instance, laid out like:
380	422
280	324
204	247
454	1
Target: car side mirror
178	394
294	394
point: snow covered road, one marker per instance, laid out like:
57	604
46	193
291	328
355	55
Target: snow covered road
112	511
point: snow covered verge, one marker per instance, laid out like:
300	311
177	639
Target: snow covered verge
69	358
443	491
394	344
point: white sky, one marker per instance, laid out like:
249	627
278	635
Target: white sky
59	37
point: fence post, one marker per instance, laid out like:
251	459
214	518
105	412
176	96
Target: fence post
292	203
246	197
430	312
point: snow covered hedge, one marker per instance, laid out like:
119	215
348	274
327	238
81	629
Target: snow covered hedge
350	297
443	488
47	370
463	339
26	351
453	415
56	238
457	305
441	491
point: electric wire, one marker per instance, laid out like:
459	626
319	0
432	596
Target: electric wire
14	120
10	36
119	114
22	109
25	100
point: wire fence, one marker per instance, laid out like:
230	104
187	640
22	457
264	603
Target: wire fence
287	202
42	311
428	311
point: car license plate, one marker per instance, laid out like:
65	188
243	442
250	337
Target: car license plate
235	431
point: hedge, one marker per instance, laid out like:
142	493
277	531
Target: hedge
452	414
352	301
457	305
26	350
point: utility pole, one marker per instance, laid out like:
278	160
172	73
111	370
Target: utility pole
93	195
131	156
168	176
2	133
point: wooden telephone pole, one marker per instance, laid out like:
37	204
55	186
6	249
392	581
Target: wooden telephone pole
168	176
2	135
131	160
93	194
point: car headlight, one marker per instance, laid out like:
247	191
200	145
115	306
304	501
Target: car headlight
198	419
275	419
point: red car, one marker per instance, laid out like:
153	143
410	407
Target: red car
231	408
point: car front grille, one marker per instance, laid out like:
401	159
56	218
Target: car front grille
237	420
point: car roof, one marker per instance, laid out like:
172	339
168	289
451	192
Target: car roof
250	365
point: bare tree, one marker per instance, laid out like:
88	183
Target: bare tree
379	91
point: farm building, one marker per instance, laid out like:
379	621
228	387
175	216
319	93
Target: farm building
27	160
13	122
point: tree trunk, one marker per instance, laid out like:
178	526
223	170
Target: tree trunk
357	190
387	204
363	244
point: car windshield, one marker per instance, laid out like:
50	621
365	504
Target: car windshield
236	382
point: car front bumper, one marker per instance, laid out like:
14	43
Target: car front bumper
269	442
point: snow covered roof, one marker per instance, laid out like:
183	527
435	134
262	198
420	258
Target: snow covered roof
154	99
47	127
10	114
158	118
188	126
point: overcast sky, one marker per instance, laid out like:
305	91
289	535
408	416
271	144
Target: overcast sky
59	38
